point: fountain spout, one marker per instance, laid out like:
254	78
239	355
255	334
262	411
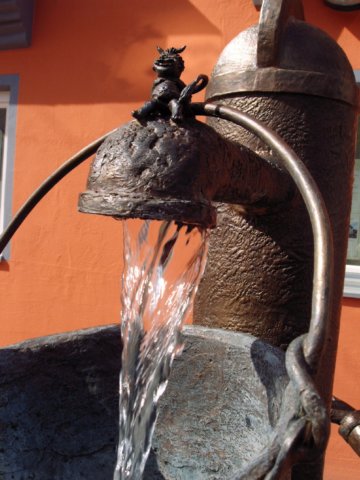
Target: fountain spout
262	264
164	171
169	166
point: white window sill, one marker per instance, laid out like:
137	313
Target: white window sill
352	281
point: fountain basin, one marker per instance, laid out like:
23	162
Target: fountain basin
59	406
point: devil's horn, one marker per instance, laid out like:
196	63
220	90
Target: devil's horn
180	50
160	50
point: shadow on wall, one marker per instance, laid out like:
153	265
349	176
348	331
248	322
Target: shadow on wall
4	266
88	52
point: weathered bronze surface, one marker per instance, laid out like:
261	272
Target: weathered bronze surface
157	170
302	356
346	5
283	54
162	170
170	96
311	428
350	430
258	275
349	420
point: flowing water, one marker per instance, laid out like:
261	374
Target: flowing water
162	267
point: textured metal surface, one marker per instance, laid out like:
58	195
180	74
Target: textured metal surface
161	170
349	421
170	97
272	24
284	54
296	431
347	5
321	230
59	406
258	275
157	170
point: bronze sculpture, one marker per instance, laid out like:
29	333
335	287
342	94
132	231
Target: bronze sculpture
169	93
288	87
181	167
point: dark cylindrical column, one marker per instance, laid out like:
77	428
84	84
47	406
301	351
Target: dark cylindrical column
258	278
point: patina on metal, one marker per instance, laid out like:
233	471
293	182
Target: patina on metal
311	428
304	425
162	170
346	5
303	99
283	54
349	420
169	93
294	78
167	165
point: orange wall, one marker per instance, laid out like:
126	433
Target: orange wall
88	67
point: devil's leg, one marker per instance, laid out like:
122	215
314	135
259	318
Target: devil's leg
146	110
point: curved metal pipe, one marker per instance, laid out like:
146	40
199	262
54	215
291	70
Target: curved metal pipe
46	186
343	4
323	245
337	4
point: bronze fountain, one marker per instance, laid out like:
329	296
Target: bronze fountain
282	105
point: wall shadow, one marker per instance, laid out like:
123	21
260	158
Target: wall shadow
102	51
4	266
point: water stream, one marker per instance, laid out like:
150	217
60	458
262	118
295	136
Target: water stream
163	263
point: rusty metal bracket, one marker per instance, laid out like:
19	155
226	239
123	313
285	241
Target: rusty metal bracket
349	420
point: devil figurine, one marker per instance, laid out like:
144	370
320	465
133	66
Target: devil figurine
169	94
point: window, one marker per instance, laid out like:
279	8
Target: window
352	277
4	105
8	104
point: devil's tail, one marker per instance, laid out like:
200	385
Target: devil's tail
193	87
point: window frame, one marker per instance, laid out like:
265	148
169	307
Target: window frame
8	83
352	273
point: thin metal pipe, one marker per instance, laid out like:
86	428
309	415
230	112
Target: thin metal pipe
346	5
46	186
323	246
